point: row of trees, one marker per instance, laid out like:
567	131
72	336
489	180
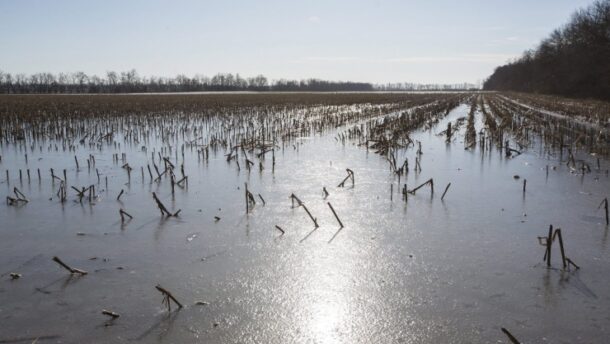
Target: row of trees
130	81
573	61
408	86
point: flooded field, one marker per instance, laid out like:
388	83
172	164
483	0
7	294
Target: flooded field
298	218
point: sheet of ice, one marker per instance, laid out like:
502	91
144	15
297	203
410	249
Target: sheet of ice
419	271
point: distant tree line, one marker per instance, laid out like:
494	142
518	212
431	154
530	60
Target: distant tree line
408	86
573	61
131	82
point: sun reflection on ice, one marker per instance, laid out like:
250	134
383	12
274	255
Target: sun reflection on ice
326	318
323	291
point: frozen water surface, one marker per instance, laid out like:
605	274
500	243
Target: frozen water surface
425	270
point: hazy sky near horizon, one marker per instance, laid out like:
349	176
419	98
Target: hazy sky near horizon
435	41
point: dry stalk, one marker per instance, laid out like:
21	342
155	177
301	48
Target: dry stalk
548	242
510	336
123	213
350	175
335	213
67	267
167	297
605	204
111	314
446	189
163	209
428	182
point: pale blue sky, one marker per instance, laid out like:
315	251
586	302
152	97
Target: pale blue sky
437	41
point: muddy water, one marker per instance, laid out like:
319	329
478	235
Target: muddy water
419	271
